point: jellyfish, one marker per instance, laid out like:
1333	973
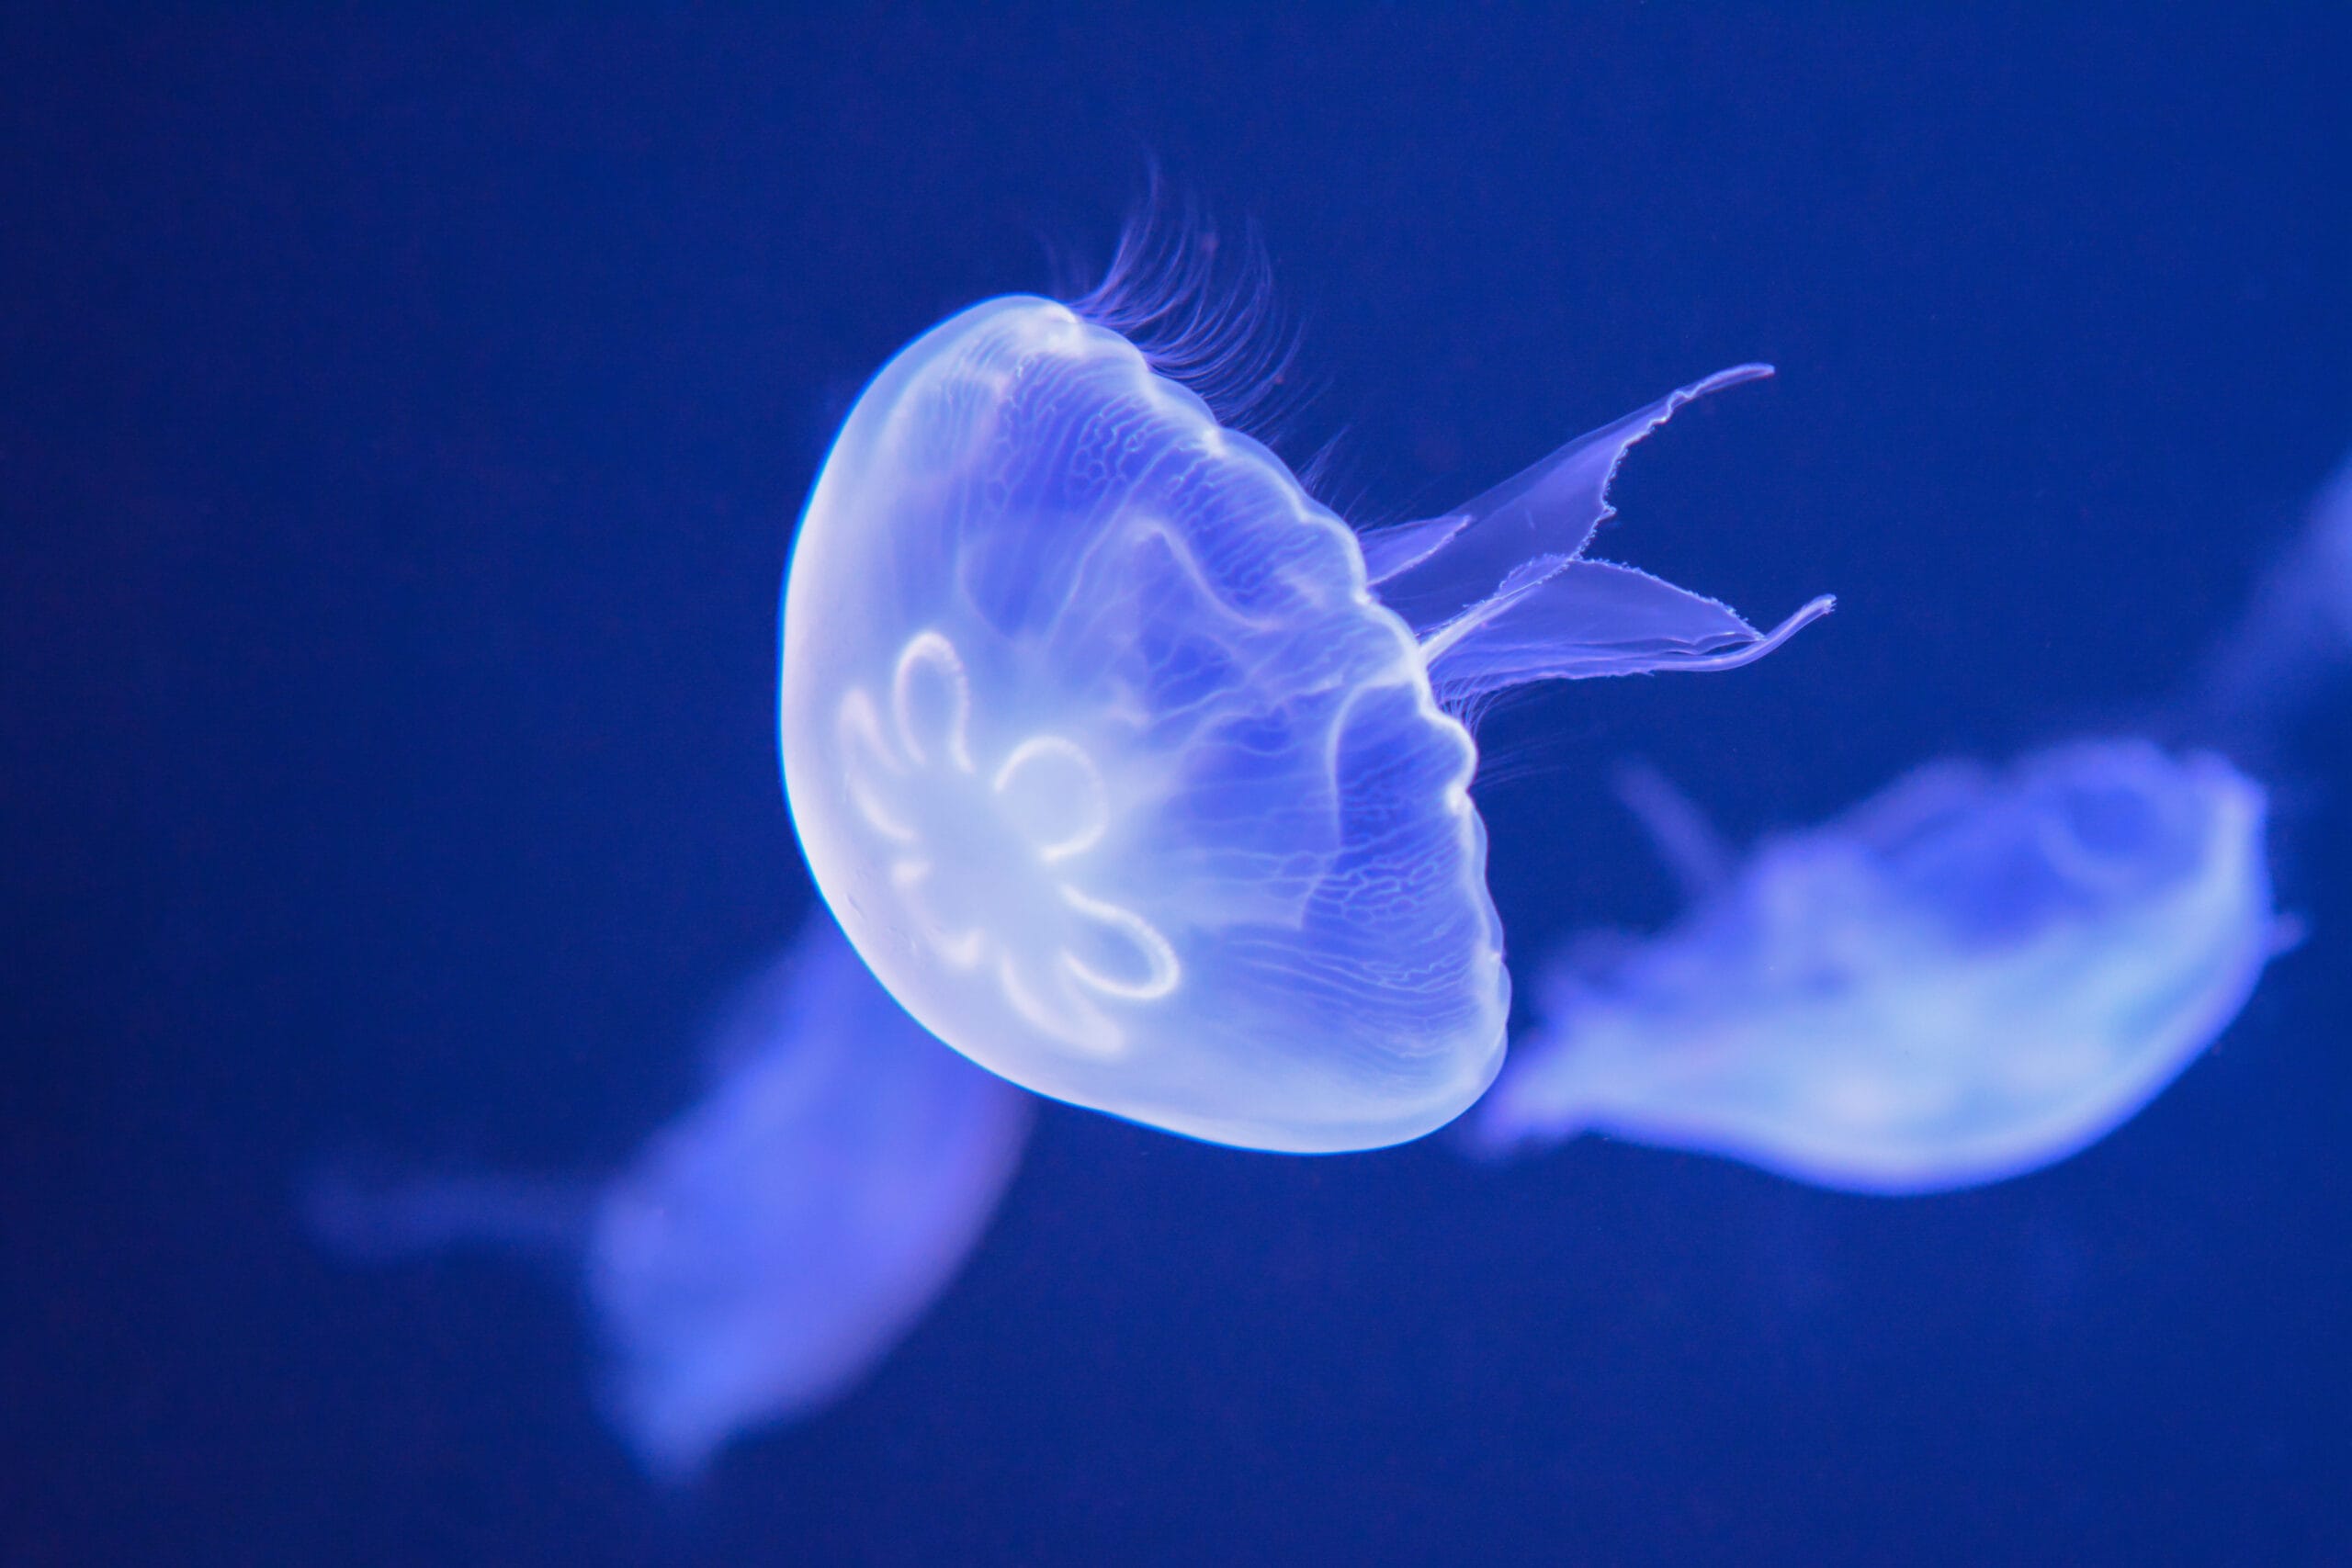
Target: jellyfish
769	1247
1974	974
1134	771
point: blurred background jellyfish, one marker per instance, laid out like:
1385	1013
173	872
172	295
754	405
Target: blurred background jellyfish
1972	975
1129	767
768	1247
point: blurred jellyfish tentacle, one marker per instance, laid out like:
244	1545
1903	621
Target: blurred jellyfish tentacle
2293	642
767	1248
1970	976
1126	763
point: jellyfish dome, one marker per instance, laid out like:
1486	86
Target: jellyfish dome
1128	766
1972	975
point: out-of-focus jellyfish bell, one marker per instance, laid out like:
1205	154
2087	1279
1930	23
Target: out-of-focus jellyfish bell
1970	976
769	1246
1126	763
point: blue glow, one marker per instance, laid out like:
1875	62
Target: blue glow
1969	975
767	1248
1126	772
2292	645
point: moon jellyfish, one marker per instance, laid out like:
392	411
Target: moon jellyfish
1970	976
771	1246
1128	766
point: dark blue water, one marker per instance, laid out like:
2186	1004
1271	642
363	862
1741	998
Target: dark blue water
402	425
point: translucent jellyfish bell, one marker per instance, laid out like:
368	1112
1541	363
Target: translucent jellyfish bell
1970	976
771	1246
1123	760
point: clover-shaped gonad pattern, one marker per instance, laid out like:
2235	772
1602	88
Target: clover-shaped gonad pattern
988	860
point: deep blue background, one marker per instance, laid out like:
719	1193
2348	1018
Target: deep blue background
400	427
